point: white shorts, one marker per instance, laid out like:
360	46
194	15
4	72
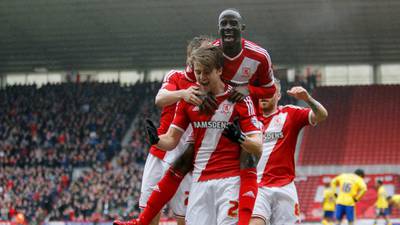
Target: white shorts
154	170
214	202
277	205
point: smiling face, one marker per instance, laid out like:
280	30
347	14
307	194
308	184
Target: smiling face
230	28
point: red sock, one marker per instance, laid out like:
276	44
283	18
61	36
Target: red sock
167	188
248	194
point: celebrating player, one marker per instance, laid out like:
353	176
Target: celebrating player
215	189
277	201
351	188
248	67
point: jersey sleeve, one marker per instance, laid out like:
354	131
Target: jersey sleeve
262	84
170	81
302	116
248	121
181	119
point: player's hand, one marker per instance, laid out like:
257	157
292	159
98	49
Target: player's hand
191	95
233	132
236	95
152	132
209	104
299	93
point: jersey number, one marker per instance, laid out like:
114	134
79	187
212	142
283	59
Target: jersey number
233	210
346	187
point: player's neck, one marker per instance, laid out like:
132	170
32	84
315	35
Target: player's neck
233	51
269	112
215	88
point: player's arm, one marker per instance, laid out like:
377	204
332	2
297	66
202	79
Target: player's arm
167	141
318	113
170	140
334	183
167	97
361	191
252	144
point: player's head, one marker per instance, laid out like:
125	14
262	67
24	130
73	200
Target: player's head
230	27
207	64
360	173
197	42
267	105
379	183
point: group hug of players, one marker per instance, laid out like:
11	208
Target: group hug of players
344	191
224	151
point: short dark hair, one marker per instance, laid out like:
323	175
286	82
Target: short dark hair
360	172
210	57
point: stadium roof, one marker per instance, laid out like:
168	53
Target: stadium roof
96	34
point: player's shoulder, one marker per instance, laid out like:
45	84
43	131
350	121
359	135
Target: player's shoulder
255	50
291	108
173	74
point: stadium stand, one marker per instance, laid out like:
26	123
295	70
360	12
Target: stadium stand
362	128
48	133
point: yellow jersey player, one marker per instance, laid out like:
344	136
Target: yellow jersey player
382	203
328	205
394	201
351	188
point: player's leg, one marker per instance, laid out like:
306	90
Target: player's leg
339	213
227	200
248	186
168	185
286	208
263	207
201	209
153	171
350	214
180	201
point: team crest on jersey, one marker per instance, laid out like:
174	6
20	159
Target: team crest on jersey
246	71
195	109
226	109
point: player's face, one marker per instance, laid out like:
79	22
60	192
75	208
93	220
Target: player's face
204	76
268	104
230	29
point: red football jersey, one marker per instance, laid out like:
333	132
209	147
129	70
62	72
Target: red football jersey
251	66
215	155
276	167
173	80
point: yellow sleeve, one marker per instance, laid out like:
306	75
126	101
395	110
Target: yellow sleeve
334	183
362	189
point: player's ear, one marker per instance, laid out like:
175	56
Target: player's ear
219	71
243	27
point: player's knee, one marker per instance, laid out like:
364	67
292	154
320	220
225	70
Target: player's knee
184	164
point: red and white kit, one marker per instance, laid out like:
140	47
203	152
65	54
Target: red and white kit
158	161
277	200
216	162
251	66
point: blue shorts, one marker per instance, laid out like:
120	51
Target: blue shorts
382	211
344	209
329	214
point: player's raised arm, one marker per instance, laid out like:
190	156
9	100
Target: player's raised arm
191	95
319	113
